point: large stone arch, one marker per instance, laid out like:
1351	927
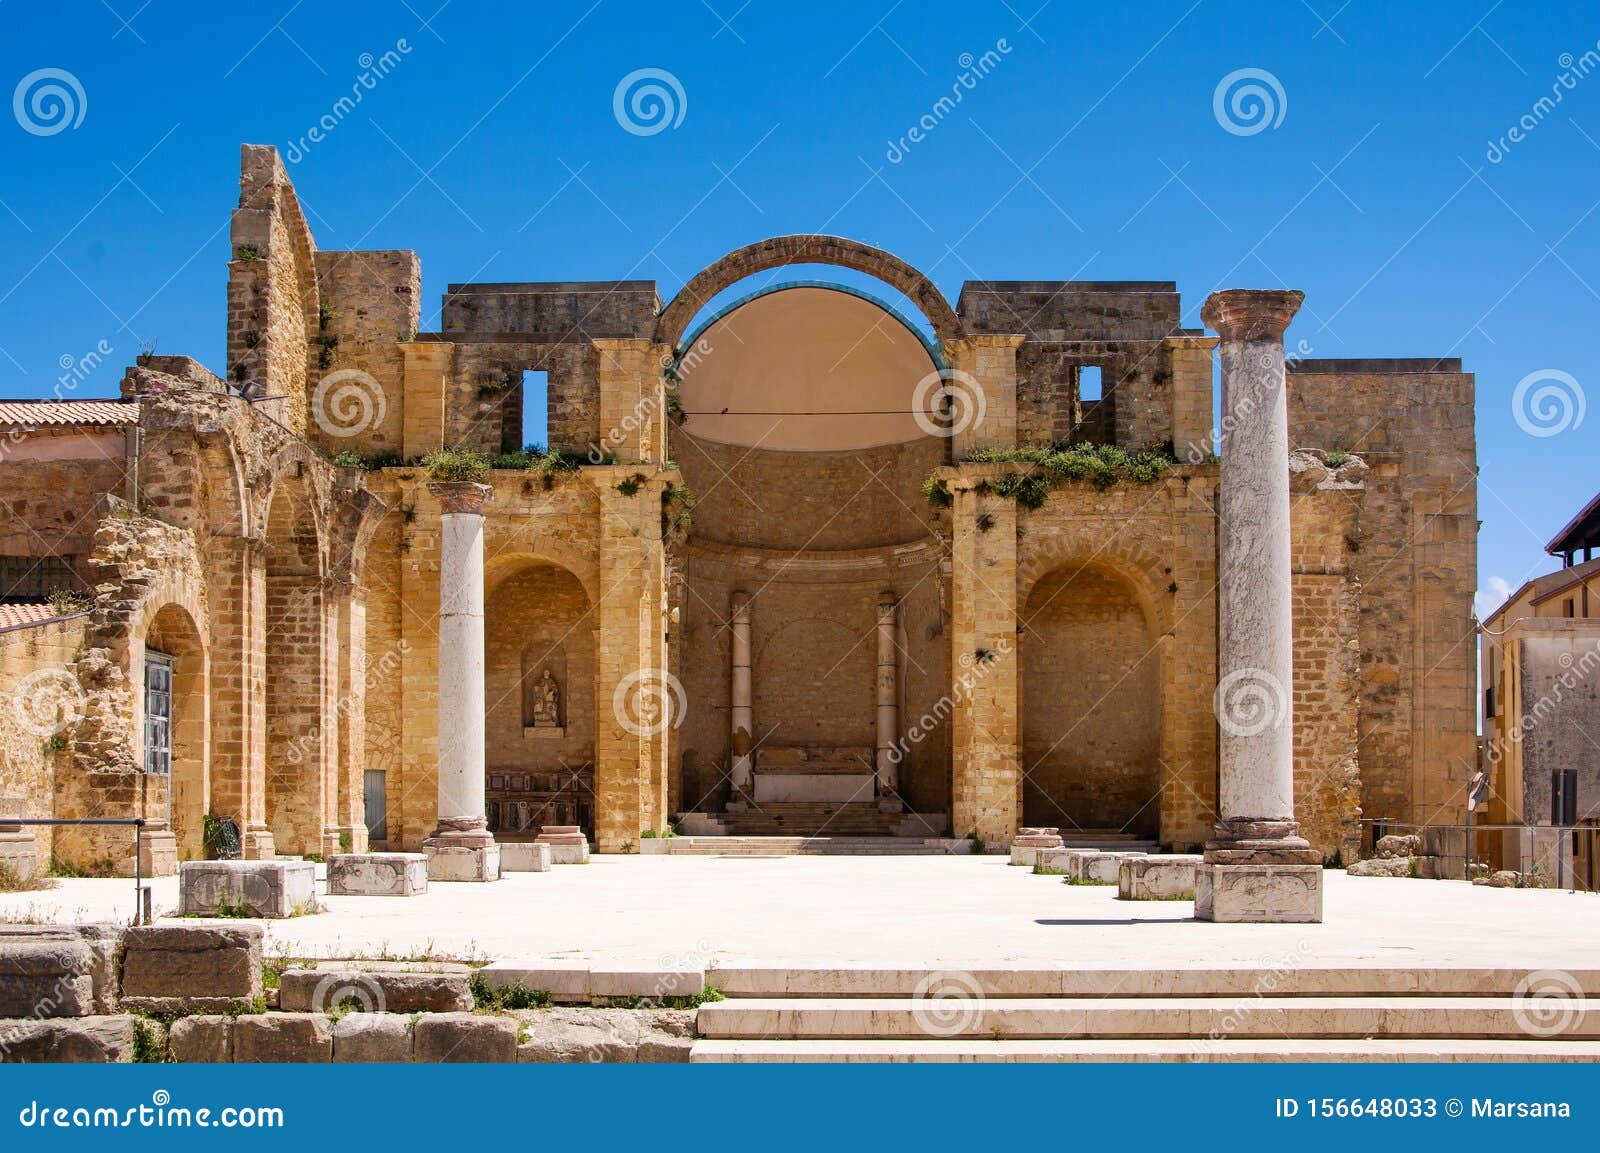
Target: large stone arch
806	248
540	618
151	588
1046	552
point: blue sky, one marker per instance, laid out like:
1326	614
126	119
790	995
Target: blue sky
1388	190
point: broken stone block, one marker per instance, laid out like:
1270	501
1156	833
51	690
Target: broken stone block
1503	879
257	888
1097	866
281	1038
575	1037
1054	862
372	1038
102	942
81	1040
377	874
1396	845
463	863
525	857
1381	867
201	1040
323	990
188	968
41	977
1168	877
463	1037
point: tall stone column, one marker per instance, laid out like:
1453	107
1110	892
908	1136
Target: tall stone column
461	847
742	712
888	704
1257	867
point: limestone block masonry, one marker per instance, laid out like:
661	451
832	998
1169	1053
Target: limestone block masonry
377	874
260	888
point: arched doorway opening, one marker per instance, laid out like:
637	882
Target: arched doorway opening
176	723
300	790
1091	704
539	678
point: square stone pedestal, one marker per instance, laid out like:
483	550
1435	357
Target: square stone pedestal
462	863
568	845
524	857
19	852
260	888
1264	893
377	874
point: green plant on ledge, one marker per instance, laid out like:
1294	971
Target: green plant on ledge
629	486
1335	457
1102	465
248	254
65	602
677	508
457	464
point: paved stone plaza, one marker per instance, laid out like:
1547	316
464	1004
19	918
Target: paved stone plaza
957	912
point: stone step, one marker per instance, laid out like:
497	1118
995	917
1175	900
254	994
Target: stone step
757	846
1147	1050
1192	1018
873	981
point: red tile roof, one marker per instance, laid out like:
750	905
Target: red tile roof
67	413
15	616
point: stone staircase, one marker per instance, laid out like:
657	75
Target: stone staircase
1195	1015
791	819
1109	839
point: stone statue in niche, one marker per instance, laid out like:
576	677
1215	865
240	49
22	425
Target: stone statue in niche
547	702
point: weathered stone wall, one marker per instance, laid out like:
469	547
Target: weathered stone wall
272	287
35	665
1412	422
370	305
47	506
1323	520
1156	546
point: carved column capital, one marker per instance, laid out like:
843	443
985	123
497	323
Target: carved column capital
1242	314
461	496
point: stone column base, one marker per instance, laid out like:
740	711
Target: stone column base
1259	871
452	862
19	852
255	844
891	804
158	853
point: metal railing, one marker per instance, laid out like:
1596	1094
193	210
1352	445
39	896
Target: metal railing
1544	856
141	895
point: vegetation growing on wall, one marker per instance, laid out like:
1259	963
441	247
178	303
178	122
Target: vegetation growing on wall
1102	465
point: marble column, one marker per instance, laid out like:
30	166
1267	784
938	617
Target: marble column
461	847
1257	867
888	704
742	712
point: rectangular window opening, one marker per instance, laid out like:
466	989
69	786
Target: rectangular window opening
1089	383
535	409
157	713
